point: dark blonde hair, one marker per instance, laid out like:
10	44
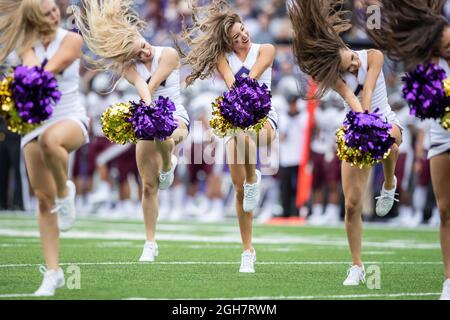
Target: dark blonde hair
111	29
317	25
22	25
411	30
208	38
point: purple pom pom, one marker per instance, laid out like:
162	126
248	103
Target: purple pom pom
369	133
155	121
423	89
35	91
246	103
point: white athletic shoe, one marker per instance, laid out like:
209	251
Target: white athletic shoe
150	252
103	193
65	208
248	259
445	295
166	178
53	279
435	219
252	193
385	200
355	276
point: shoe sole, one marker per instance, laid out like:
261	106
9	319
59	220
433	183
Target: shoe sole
146	260
246	271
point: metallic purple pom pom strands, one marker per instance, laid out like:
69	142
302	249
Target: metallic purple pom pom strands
364	139
34	91
423	89
128	122
155	121
244	107
246	103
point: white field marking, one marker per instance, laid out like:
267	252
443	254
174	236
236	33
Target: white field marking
23	216
381	253
127	226
113	235
17	295
283	249
7	245
112	263
207	246
348	296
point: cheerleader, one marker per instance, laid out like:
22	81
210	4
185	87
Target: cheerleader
414	32
219	41
31	29
358	77
112	31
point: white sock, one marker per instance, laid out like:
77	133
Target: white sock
333	209
216	205
178	196
317	209
419	198
405	211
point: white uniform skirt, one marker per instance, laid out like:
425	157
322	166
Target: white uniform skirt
439	140
81	120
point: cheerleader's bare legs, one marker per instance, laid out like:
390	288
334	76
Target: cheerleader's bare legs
440	175
153	157
56	143
241	157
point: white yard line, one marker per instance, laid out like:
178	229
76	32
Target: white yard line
18	265
324	297
17	295
117	235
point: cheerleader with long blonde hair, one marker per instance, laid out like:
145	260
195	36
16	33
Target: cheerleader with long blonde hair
415	31
220	41
30	28
358	77
112	31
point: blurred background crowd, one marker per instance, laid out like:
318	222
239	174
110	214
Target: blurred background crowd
306	182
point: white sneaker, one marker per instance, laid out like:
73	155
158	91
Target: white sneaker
435	219
445	295
65	208
252	194
53	279
385	200
415	221
150	252
103	193
355	276
248	259
166	178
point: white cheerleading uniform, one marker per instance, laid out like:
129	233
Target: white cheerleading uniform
439	137
69	107
240	68
379	96
169	88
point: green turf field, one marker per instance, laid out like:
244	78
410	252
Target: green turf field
201	261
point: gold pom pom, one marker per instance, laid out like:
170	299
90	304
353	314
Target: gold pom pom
115	125
354	156
447	86
445	120
8	109
221	126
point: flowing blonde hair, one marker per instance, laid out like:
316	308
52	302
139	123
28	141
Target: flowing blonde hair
110	29
317	25
208	38
22	25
